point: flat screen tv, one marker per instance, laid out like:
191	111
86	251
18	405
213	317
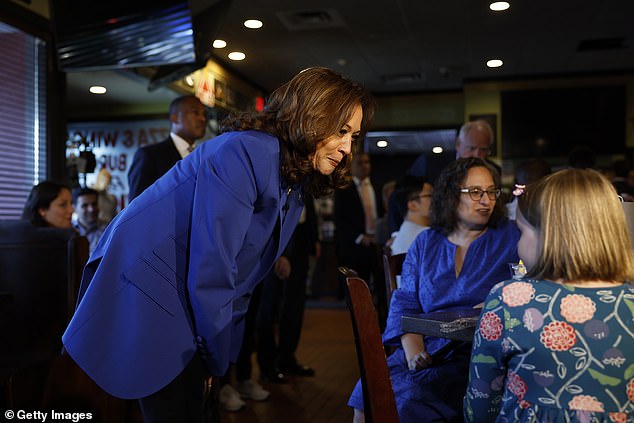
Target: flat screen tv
554	122
119	34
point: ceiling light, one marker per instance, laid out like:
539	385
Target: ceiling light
237	55
381	143
253	23
436	150
499	6
219	44
97	89
494	63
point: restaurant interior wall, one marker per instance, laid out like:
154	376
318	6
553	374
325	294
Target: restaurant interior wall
482	98
31	20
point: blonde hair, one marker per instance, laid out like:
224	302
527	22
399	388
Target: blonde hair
582	229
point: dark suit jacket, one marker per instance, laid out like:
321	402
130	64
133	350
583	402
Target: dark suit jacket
150	163
349	214
174	271
349	224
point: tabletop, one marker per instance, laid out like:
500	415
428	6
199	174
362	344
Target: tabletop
456	324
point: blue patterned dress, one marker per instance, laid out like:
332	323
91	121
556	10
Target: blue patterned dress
429	283
547	352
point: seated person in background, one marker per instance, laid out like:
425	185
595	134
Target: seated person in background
453	264
49	204
413	196
526	173
558	345
86	203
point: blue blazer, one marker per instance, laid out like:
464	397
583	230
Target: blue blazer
174	271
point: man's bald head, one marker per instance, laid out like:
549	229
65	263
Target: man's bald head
474	140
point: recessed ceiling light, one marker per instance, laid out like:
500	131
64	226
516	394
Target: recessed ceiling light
494	63
381	143
436	150
253	23
237	55
499	6
219	44
97	89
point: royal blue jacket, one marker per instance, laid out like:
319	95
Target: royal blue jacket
174	271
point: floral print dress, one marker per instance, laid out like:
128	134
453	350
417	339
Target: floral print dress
548	352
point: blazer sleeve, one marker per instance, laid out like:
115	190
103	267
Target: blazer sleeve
227	191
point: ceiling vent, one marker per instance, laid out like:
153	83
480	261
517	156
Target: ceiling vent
402	78
601	44
310	19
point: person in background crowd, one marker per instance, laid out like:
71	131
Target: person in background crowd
475	139
453	264
413	196
163	297
107	202
527	173
49	204
382	232
188	124
356	211
284	295
86	204
557	346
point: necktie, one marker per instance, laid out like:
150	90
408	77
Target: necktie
368	206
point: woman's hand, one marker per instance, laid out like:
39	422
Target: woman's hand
415	353
422	360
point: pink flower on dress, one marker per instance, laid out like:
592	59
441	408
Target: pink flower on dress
524	404
516	385
490	326
630	390
577	308
517	293
585	403
558	336
618	417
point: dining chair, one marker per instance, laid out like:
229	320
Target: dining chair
378	396
392	265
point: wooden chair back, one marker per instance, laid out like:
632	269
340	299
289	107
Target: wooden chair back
392	265
378	396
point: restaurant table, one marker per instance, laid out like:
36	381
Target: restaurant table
456	324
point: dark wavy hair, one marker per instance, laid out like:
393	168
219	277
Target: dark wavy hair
446	196
41	197
309	108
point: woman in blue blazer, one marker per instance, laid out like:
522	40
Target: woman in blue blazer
164	294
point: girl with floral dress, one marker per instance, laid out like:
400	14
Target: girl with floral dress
558	346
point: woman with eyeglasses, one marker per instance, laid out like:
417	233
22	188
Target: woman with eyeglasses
558	345
452	265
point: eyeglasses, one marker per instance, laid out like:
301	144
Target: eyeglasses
476	193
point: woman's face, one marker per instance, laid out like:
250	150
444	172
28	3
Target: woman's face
60	212
475	214
528	243
333	149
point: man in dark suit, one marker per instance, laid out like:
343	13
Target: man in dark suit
284	295
188	124
356	210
